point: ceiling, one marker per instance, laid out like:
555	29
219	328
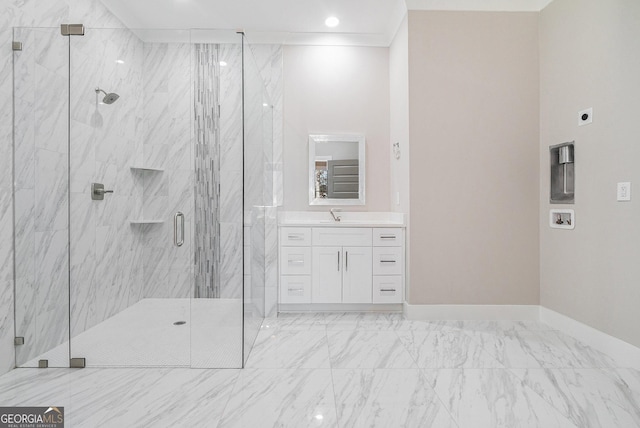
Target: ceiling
362	22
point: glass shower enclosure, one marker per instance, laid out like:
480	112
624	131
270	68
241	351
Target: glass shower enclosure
139	195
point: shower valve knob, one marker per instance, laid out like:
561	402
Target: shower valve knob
98	191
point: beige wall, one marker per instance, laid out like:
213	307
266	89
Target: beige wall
336	90
590	57
474	116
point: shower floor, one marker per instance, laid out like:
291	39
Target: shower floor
144	335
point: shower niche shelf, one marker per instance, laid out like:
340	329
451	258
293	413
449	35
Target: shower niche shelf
146	168
144	221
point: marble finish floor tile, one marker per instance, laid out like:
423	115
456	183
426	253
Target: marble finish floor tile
123	397
423	325
280	349
493	398
505	325
363	321
281	398
445	350
358	370
367	349
590	398
387	398
296	321
531	349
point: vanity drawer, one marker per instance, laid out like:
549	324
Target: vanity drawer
295	261
388	261
388	237
387	289
342	237
295	236
295	289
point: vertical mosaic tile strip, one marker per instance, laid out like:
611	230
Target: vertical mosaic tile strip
207	171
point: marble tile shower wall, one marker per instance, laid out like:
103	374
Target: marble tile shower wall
167	145
268	59
231	186
106	251
93	14
18	13
168	108
41	192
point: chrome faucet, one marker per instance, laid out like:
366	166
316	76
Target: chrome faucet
333	214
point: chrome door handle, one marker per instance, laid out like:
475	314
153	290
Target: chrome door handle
179	242
346	260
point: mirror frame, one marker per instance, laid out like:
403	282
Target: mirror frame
327	138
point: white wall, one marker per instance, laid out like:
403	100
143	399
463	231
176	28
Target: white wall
336	90
399	132
399	117
590	58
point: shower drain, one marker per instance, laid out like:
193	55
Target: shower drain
179	323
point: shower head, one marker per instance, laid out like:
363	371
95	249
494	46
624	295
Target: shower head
108	98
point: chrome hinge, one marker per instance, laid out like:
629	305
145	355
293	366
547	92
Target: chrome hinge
16	46
77	363
17	341
72	29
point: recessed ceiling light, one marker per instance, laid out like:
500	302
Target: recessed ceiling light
119	61
331	22
223	64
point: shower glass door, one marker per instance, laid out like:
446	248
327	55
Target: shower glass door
142	179
258	190
131	248
41	194
150	283
216	306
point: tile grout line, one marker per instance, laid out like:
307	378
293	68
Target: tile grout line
333	384
423	374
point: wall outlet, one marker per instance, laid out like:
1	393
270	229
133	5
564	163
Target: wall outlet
585	117
624	191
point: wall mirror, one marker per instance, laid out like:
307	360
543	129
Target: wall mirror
336	169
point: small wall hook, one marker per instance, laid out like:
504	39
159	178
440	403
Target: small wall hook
396	150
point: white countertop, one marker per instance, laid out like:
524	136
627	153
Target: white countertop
348	219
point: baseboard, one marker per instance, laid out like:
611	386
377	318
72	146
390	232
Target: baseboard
626	354
472	312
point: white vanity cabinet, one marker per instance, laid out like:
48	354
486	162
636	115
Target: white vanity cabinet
295	265
341	275
341	265
388	265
